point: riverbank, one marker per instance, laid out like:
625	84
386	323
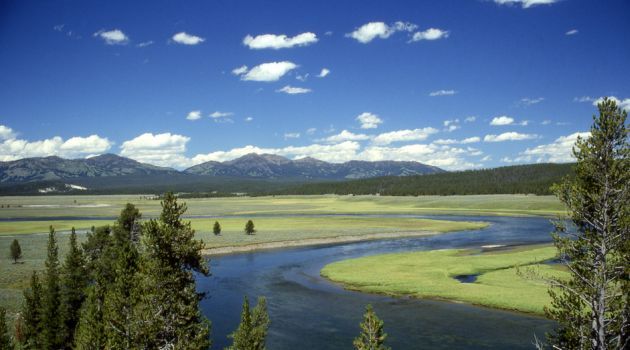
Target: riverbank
313	242
505	279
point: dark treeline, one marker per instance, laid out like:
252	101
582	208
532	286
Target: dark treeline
518	179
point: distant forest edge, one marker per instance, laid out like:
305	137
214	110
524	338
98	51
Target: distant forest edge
516	179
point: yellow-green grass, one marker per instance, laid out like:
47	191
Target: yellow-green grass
110	206
14	277
512	279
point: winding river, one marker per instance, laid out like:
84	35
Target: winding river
309	312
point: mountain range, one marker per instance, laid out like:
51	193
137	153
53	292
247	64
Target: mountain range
109	171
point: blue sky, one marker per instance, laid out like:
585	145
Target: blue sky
454	83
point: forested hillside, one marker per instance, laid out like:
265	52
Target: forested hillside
524	179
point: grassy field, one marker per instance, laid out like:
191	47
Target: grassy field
430	274
60	207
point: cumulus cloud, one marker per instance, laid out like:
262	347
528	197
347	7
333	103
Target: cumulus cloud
623	104
404	136
345	135
559	151
160	149
526	3
293	90
12	148
451	125
112	37
271	71
369	120
273	41
509	136
572	32
194	115
373	30
430	34
502	120
442	93
187	39
324	72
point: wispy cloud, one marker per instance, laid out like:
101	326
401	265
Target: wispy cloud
442	93
345	135
273	41
430	34
451	125
219	114
526	3
572	32
145	43
324	73
509	136
291	135
526	101
293	90
404	136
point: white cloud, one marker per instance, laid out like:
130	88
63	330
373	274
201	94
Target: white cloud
623	104
509	136
346	135
451	125
502	120
293	90
442	93
161	149
249	119
302	78
546	122
240	70
369	120
75	147
323	73
292	135
473	139
468	140
525	3
112	37
373	30
272	41
572	32
470	119
531	101
271	71
430	34
145	43
187	39
219	114
404	136
6	133
559	151
451	158
194	115
311	131
584	99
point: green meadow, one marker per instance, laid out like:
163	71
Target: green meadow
509	279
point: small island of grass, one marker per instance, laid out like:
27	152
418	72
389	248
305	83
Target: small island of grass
432	274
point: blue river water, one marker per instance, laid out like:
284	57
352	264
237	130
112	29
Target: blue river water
309	312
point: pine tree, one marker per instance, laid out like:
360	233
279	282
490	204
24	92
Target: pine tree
216	229
252	331
32	314
90	332
372	336
5	338
73	288
170	302
249	227
592	307
52	325
16	251
128	217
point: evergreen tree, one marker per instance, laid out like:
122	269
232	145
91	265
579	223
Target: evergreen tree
170	303
252	331
16	251
592	306
216	229
128	217
372	336
90	332
5	338
73	287
249	227
52	326
32	315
